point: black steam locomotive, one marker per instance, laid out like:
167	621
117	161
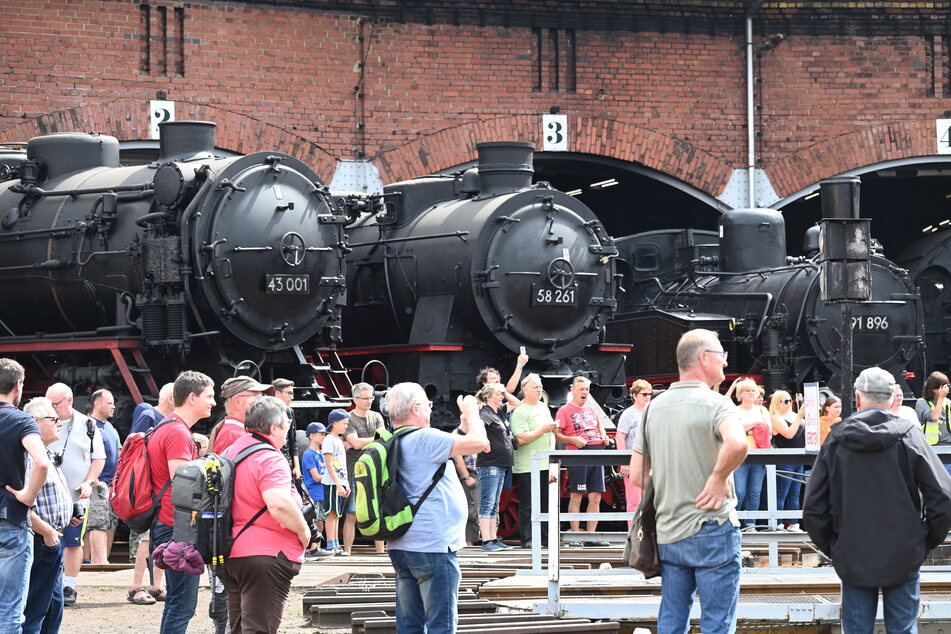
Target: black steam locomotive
765	306
929	263
460	272
193	261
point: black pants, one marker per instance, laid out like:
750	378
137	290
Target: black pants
524	481
257	592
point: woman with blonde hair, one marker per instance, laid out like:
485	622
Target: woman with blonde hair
788	433
748	478
641	393
493	463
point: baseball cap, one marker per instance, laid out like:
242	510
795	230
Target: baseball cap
316	428
238	384
876	382
335	415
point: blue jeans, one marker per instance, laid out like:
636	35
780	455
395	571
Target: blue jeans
491	480
900	608
708	563
788	488
748	479
181	590
44	600
16	553
427	588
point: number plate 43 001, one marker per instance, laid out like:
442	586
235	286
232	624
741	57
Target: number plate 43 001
544	295
282	284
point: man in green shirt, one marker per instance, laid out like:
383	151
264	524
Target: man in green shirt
533	428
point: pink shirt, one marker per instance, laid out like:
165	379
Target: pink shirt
171	441
231	430
577	421
261	471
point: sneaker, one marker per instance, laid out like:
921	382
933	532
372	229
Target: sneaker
526	545
748	529
318	554
69	595
780	527
340	552
491	546
575	545
502	546
794	528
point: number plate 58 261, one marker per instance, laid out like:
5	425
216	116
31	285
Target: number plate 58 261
550	296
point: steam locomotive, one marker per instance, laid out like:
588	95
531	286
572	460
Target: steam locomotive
765	306
929	263
193	261
459	272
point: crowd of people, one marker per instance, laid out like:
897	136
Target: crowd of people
691	442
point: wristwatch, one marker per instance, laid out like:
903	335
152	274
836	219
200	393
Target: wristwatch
467	477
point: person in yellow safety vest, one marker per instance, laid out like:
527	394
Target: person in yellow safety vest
934	411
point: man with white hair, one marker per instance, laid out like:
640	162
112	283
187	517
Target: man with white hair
690	440
145	416
877	541
427	571
81	455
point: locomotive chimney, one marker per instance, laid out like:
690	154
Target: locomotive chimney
505	166
186	140
752	239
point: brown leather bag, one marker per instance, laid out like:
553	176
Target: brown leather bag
641	549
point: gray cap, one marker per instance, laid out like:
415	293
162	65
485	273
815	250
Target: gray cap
876	382
243	383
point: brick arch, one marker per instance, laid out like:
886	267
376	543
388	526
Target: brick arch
127	120
868	146
589	135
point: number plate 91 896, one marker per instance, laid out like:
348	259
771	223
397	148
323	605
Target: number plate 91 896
283	284
548	296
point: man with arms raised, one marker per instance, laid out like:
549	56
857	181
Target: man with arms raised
170	446
690	441
427	571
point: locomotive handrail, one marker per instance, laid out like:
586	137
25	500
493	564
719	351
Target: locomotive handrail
454	234
33	190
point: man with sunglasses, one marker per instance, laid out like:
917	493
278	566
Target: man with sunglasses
52	513
82	456
689	442
19	437
361	427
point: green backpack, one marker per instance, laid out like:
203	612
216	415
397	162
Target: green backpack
383	510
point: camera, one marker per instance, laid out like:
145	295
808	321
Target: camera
78	510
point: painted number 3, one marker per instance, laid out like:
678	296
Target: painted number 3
556	136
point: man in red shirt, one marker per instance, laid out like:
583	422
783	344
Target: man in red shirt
579	427
169	447
238	394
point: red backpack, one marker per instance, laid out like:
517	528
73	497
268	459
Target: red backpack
131	493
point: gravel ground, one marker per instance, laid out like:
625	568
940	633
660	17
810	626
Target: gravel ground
104	609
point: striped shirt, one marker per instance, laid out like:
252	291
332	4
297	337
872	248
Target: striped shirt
54	504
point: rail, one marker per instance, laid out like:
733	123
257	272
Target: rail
551	462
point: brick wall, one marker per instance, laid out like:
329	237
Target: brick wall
414	91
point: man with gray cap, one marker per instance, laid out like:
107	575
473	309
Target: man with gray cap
238	393
880	540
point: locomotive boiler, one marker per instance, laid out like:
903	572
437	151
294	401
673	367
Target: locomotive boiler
193	261
766	307
929	263
460	272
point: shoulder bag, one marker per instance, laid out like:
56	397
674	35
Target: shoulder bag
641	551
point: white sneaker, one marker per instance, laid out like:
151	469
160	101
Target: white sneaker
794	528
780	527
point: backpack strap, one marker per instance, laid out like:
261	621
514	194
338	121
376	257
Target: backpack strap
244	453
440	471
157	499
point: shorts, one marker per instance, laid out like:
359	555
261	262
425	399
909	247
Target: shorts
333	503
352	499
100	516
134	540
319	508
73	535
586	479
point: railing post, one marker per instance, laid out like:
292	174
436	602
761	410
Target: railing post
773	517
536	528
554	537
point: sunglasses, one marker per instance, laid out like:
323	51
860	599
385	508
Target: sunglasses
648	394
788	400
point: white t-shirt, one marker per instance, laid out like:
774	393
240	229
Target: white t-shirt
75	447
334	446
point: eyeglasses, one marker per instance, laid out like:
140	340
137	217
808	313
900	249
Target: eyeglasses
53	418
647	394
429	403
725	354
61	401
367	398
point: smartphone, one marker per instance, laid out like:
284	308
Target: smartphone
521	350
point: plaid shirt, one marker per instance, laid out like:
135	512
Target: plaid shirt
54	504
470	462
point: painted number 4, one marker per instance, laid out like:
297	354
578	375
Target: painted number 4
944	135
